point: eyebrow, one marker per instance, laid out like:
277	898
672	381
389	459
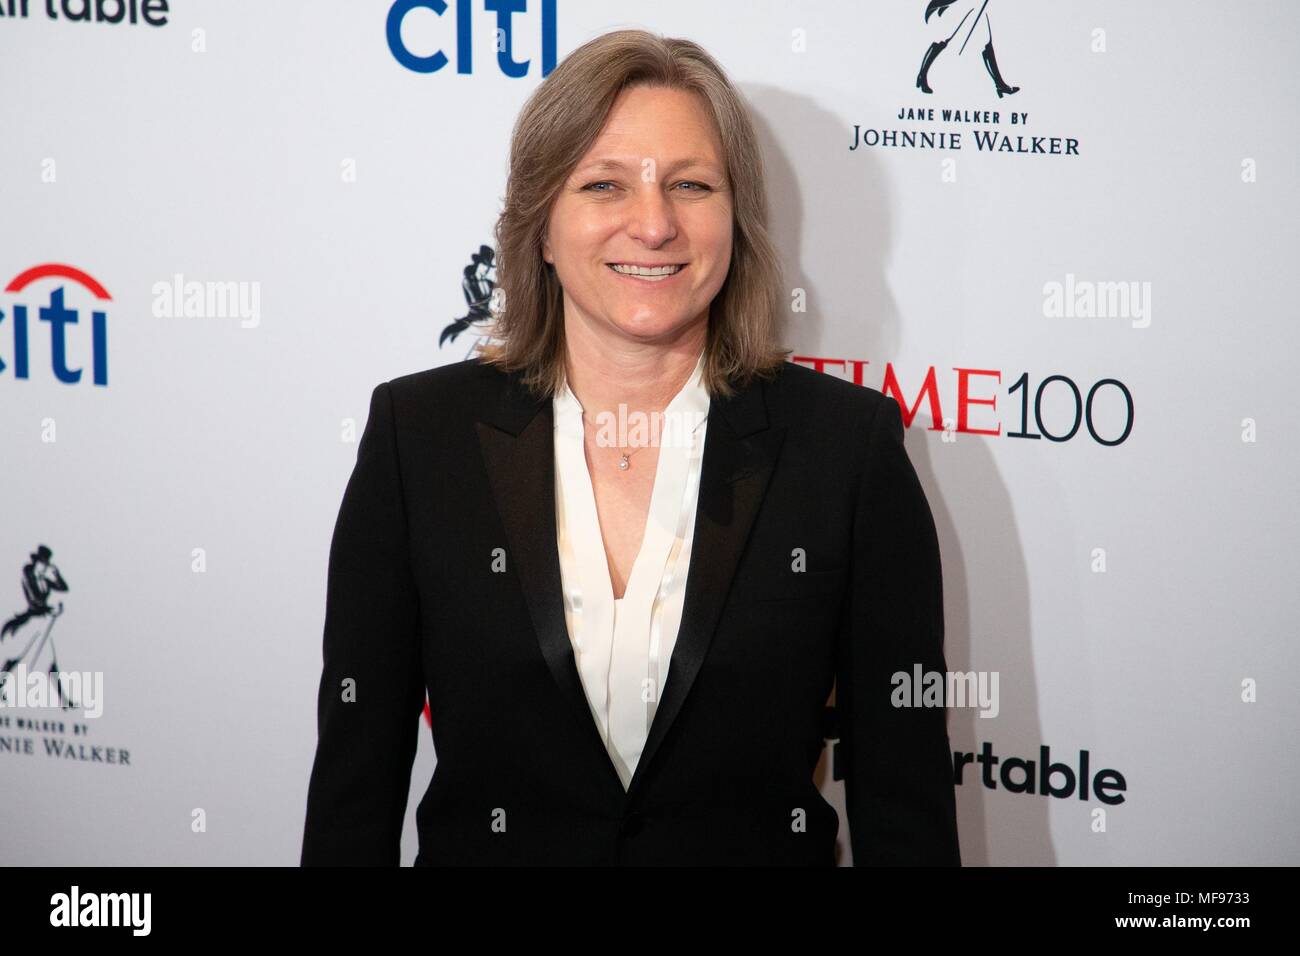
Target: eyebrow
614	164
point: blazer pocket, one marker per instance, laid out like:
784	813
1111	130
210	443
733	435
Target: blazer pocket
791	586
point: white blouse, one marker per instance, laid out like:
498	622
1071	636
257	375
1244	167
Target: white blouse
622	647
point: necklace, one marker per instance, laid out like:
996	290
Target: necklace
623	461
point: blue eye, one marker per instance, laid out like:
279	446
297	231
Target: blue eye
605	182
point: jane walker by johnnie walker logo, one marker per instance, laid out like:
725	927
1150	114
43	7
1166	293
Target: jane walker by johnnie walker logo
958	26
39	700
477	284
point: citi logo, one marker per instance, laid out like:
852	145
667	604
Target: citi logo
502	28
68	335
102	909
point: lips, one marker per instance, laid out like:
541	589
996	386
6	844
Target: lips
647	278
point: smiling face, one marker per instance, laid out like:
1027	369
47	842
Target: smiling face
651	192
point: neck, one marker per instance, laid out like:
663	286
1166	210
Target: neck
643	376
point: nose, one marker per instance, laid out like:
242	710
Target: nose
650	215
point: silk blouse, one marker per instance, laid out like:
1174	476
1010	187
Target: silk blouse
622	646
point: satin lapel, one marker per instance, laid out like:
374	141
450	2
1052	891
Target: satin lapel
740	451
517	439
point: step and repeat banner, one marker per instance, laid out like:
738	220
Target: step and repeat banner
1062	235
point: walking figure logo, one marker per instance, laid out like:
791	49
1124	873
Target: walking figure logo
938	8
477	286
36	624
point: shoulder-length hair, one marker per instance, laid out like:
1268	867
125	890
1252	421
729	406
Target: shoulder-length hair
557	125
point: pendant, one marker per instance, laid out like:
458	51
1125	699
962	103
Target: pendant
623	464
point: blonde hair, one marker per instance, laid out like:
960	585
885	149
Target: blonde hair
557	125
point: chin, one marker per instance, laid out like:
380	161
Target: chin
651	327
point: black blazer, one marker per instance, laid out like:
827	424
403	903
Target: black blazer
444	577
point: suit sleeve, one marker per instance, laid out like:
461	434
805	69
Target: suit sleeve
356	799
899	782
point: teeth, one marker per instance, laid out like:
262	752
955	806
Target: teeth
642	271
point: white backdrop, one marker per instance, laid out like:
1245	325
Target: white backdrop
1137	600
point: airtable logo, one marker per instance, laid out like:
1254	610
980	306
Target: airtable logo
59	317
131	12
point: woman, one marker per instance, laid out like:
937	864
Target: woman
628	633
